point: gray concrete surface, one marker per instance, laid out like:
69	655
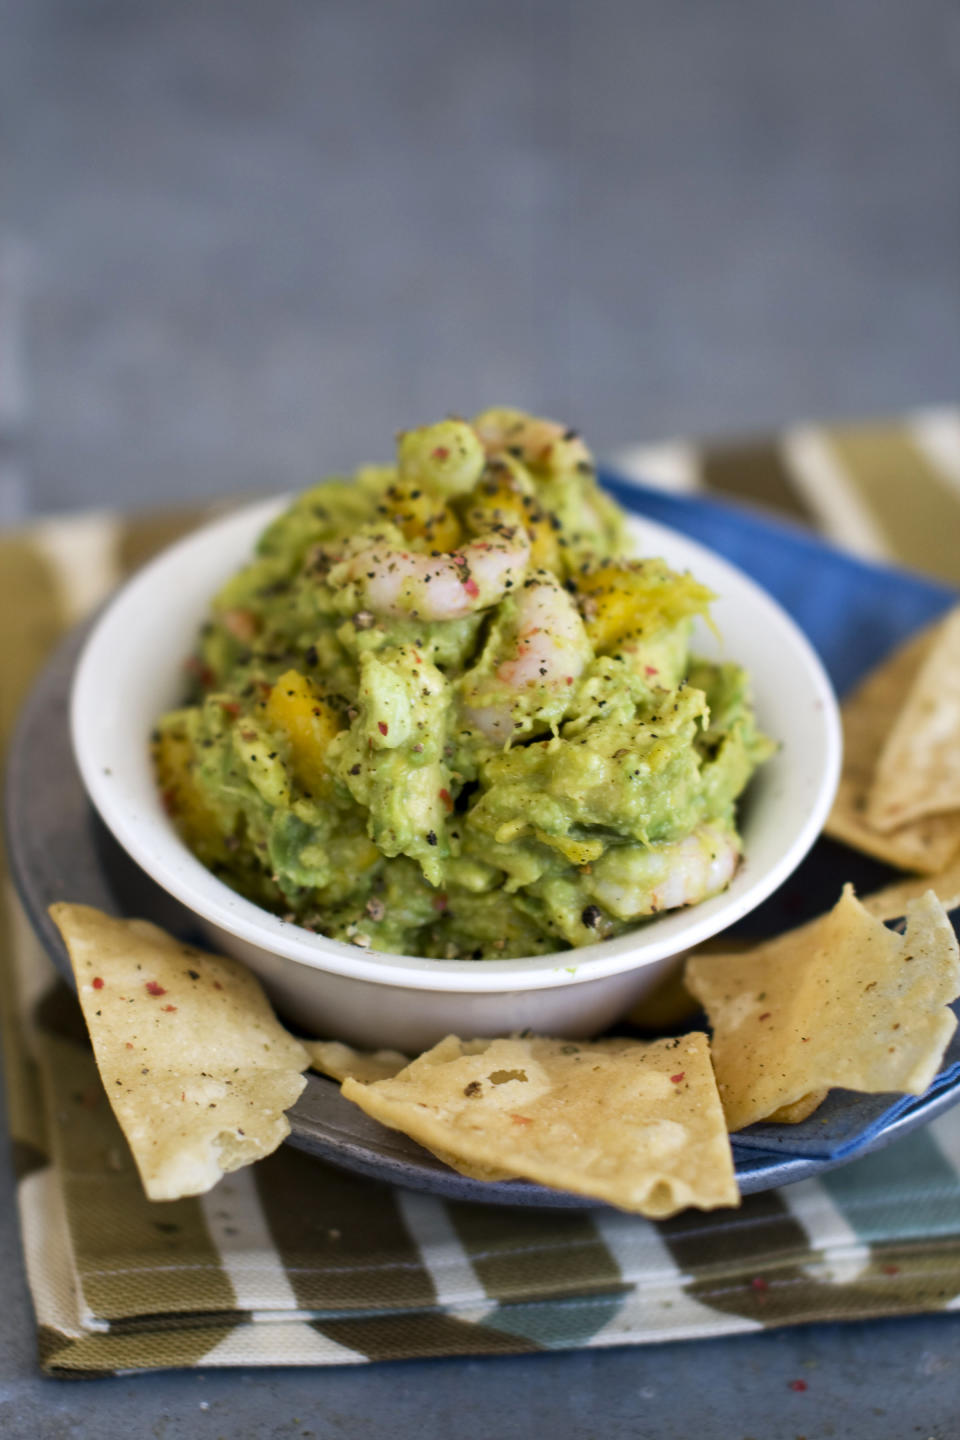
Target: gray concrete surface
258	237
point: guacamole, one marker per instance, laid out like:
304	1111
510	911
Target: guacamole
444	712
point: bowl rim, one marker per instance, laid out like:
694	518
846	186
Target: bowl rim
178	871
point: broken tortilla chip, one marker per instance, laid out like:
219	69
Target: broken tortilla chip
636	1124
891	902
341	1062
195	1064
842	1002
800	1110
926	844
918	770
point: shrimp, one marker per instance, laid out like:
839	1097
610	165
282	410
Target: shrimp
541	444
439	586
634	880
534	670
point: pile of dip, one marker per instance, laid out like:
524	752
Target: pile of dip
443	711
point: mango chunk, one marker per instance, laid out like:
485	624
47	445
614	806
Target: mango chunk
421	515
636	597
502	498
309	723
174	760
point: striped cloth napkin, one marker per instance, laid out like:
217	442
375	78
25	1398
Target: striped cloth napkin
291	1262
886	491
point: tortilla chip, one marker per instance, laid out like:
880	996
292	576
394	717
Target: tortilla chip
339	1061
472	1172
842	1002
342	1062
800	1110
918	770
636	1124
891	901
196	1066
869	714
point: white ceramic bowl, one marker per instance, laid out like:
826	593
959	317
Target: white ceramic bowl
131	671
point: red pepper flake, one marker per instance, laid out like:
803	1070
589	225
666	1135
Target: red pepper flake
675	1079
230	707
169	1008
447	798
168	798
183	1094
217	985
155	988
569	679
798	1385
382	726
650	670
766	1015
129	1044
759	1284
471	587
521	1119
439	902
97	983
441	453
195	666
890	1269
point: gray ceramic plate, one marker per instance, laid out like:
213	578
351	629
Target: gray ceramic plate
59	850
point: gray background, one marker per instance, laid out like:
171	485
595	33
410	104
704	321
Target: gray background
241	243
251	238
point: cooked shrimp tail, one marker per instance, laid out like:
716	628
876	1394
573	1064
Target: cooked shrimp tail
631	881
528	675
399	582
544	445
